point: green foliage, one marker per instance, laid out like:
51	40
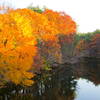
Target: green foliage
36	9
46	64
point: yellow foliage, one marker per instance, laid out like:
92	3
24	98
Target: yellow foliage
19	31
28	82
17	48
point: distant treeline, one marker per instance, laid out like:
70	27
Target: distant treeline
88	42
86	36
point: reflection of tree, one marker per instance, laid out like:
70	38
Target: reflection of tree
54	85
61	89
89	69
59	83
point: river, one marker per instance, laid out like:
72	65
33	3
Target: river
80	81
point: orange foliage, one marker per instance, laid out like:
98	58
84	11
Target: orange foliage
62	22
19	31
17	50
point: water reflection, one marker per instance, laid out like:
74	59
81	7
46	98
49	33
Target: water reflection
88	69
59	84
86	90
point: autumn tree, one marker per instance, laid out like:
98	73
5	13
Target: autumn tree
28	39
17	49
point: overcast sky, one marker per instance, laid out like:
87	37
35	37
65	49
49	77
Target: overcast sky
86	13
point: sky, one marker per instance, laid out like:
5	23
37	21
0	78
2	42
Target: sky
84	12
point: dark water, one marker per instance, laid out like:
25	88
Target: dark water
80	81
